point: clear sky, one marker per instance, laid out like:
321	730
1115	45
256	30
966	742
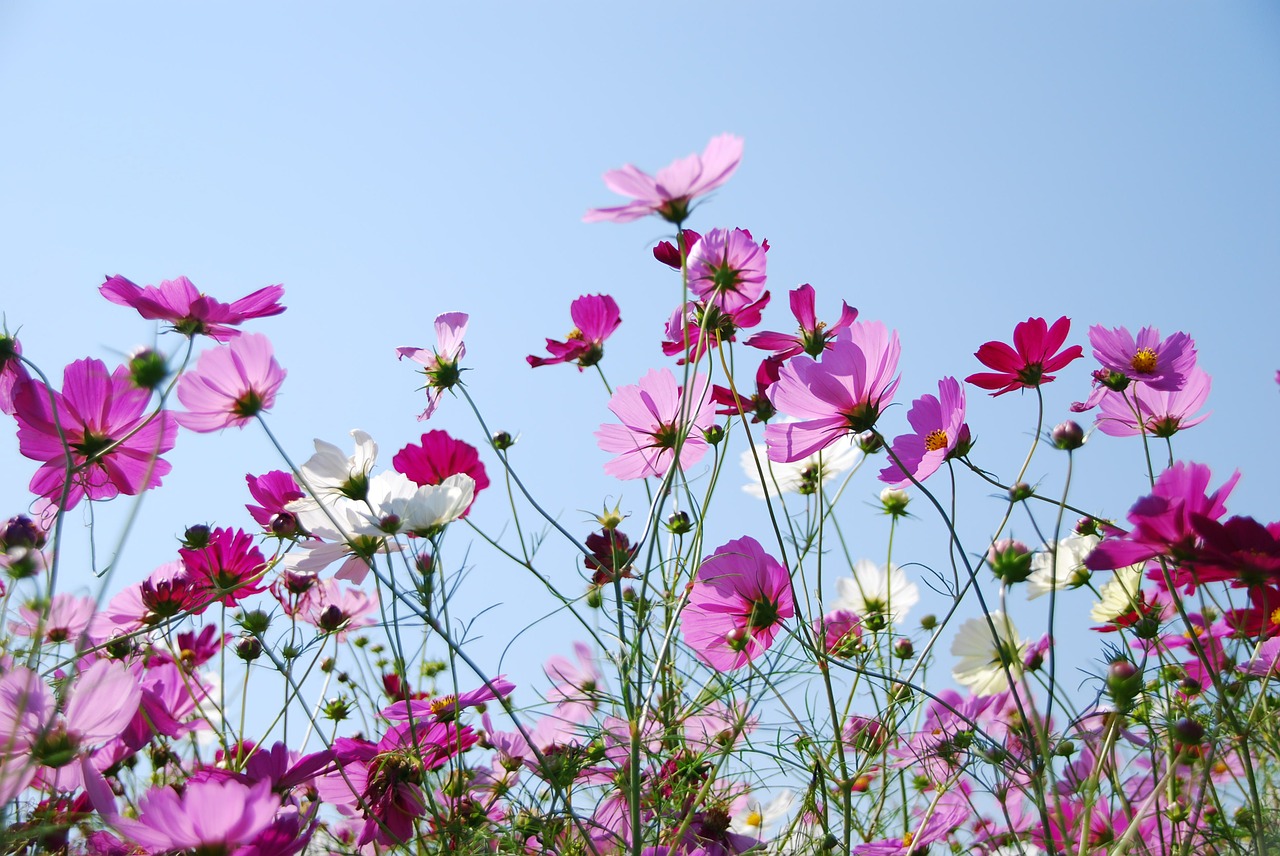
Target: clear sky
949	169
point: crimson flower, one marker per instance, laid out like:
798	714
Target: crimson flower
274	490
756	403
189	310
813	336
112	446
669	193
1030	361
229	566
436	458
595	317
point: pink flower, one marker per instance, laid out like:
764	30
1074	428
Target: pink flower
667	253
12	372
188	310
229	567
940	433
705	325
737	604
1164	412
1266	660
675	186
727	269
230	385
112	446
438	457
210	816
652	437
1159	364
67	617
1030	361
576	688
843	394
595	317
338	609
839	632
274	490
442	363
813	337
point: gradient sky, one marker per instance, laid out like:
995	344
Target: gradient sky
949	169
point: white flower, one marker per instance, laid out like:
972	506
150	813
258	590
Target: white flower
872	592
798	476
336	480
1046	574
399	505
1018	850
983	658
1119	594
753	819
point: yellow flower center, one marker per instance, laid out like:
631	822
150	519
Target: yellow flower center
936	440
755	818
1144	362
907	838
575	333
1275	615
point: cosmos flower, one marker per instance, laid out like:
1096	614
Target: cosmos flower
190	311
737	604
441	363
940	433
230	385
595	317
437	456
1060	566
650	412
1163	412
727	269
870	592
986	663
1160	364
1030	361
802	476
813	336
12	372
669	193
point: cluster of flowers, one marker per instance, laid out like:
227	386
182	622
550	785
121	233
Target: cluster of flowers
117	735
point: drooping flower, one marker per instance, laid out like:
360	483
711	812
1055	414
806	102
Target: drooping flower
739	599
696	327
1160	364
727	269
667	252
12	372
230	385
441	370
987	662
651	433
437	456
870	593
755	403
112	445
274	490
189	311
1032	359
940	433
669	193
1163	412
813	336
595	317
841	395
803	476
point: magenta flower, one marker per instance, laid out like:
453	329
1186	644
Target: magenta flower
737	604
704	326
230	385
12	372
113	447
1159	364
756	403
210	816
442	363
667	253
1031	360
839	632
436	458
1266	660
1164	412
940	433
669	193
595	317
274	491
229	567
727	269
652	437
190	311
842	394
813	337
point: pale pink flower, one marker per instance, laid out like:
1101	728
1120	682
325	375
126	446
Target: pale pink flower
1164	412
230	385
669	193
727	269
441	362
67	617
651	432
190	311
210	816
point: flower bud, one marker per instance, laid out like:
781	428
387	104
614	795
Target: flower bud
928	622
248	649
1123	681
502	441
1087	526
903	649
894	501
869	442
1010	560
148	369
1187	730
1067	436
1021	492
196	537
713	435
610	519
594	597
679	523
337	709
255	621
332	618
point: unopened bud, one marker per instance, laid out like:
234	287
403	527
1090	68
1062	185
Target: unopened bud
1010	560
248	649
503	441
1067	436
869	442
148	369
713	435
903	649
894	501
1021	492
679	523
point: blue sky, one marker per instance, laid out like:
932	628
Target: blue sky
948	169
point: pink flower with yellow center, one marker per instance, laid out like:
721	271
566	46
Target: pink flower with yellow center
940	433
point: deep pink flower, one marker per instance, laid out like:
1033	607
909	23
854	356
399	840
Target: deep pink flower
210	816
813	337
229	567
188	310
667	253
441	363
12	372
727	269
1031	360
650	411
669	193
438	456
445	708
113	447
1159	364
940	433
838	632
843	394
274	490
1164	412
756	403
704	326
737	604
1162	521
230	385
1239	550
166	592
595	317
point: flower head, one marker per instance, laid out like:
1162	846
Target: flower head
210	816
940	433
595	317
803	476
441	363
190	311
1031	360
112	446
1160	364
652	437
843	394
1163	413
230	385
739	599
727	268
871	593
987	662
669	193
700	325
12	372
1054	567
813	336
438	456
229	567
274	491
